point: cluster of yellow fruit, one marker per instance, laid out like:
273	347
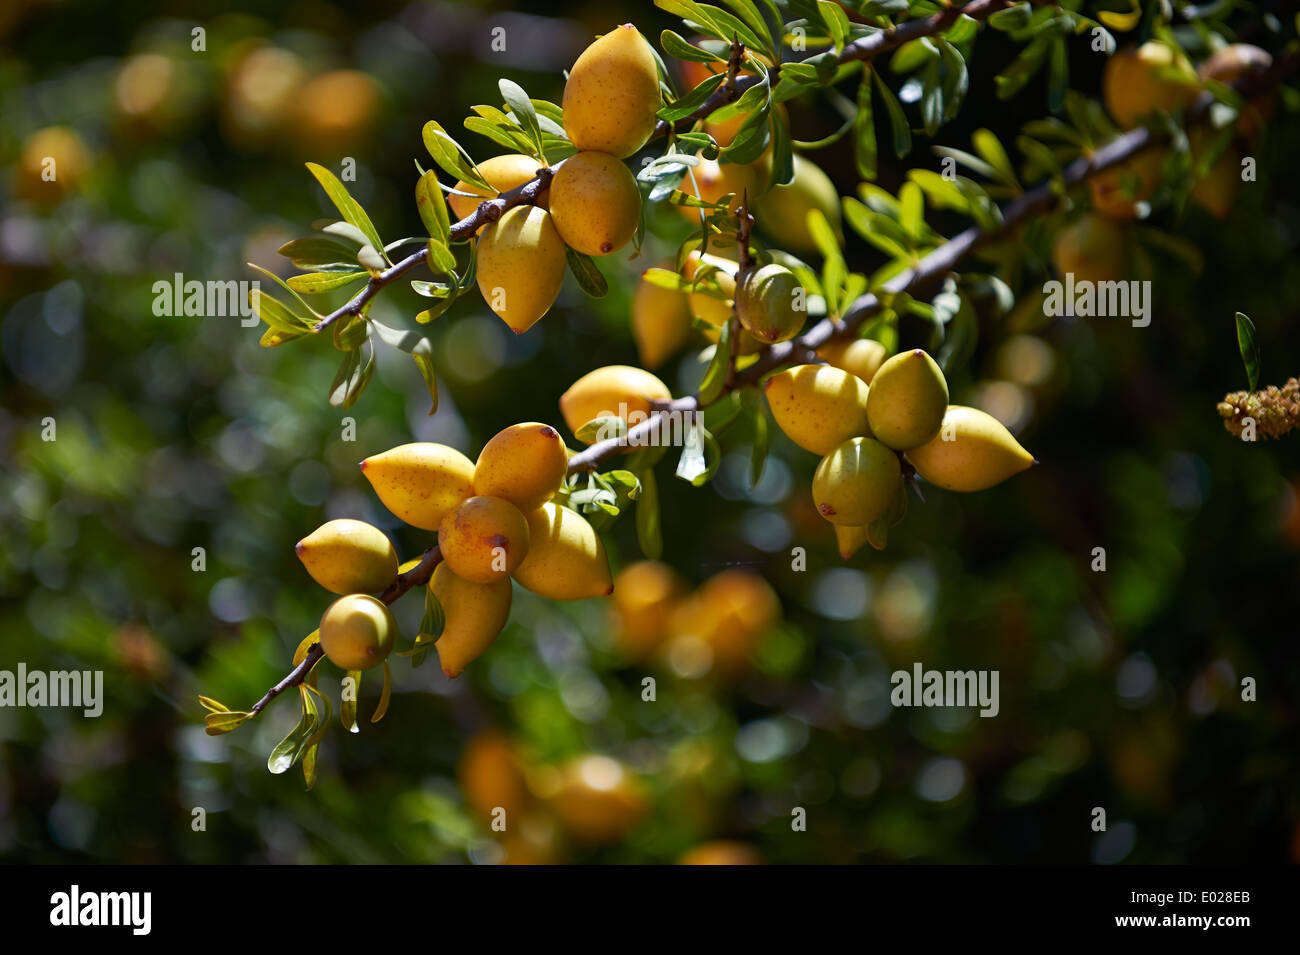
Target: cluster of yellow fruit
590	800
862	418
592	204
715	629
495	520
1138	82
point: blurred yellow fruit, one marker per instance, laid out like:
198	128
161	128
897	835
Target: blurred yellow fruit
595	203
566	558
661	323
782	212
336	110
502	173
483	539
722	852
53	163
645	594
862	357
260	94
521	266
598	801
612	391
1117	191
491	776
1231	64
612	94
1216	190
729	615
150	92
856	482
971	452
349	557
525	464
357	632
475	614
907	400
710	180
1092	249
420	482
818	406
1138	81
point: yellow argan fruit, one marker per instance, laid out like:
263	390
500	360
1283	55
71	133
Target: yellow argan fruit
491	776
771	304
907	400
710	180
1216	190
502	173
661	323
721	852
1136	82
612	94
612	391
484	539
349	557
862	357
595	203
566	558
856	482
1232	63
521	266
645	594
849	538
818	406
715	311
335	110
420	482
53	163
971	452
357	632
524	464
1117	191
150	92
475	614
1092	248
598	800
728	616
782	212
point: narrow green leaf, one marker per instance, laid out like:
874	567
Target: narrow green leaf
314	283
1248	345
449	155
678	48
902	132
584	269
384	696
864	131
348	207
433	208
214	724
690	102
715	376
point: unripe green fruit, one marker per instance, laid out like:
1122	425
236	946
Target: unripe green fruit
783	211
420	482
566	558
818	406
972	451
595	203
856	482
349	557
357	632
612	94
475	614
520	267
524	464
771	304
484	539
907	400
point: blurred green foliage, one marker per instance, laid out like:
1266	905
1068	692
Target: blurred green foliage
1120	688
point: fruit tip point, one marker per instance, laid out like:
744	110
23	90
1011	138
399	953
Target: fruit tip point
362	463
299	547
610	591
